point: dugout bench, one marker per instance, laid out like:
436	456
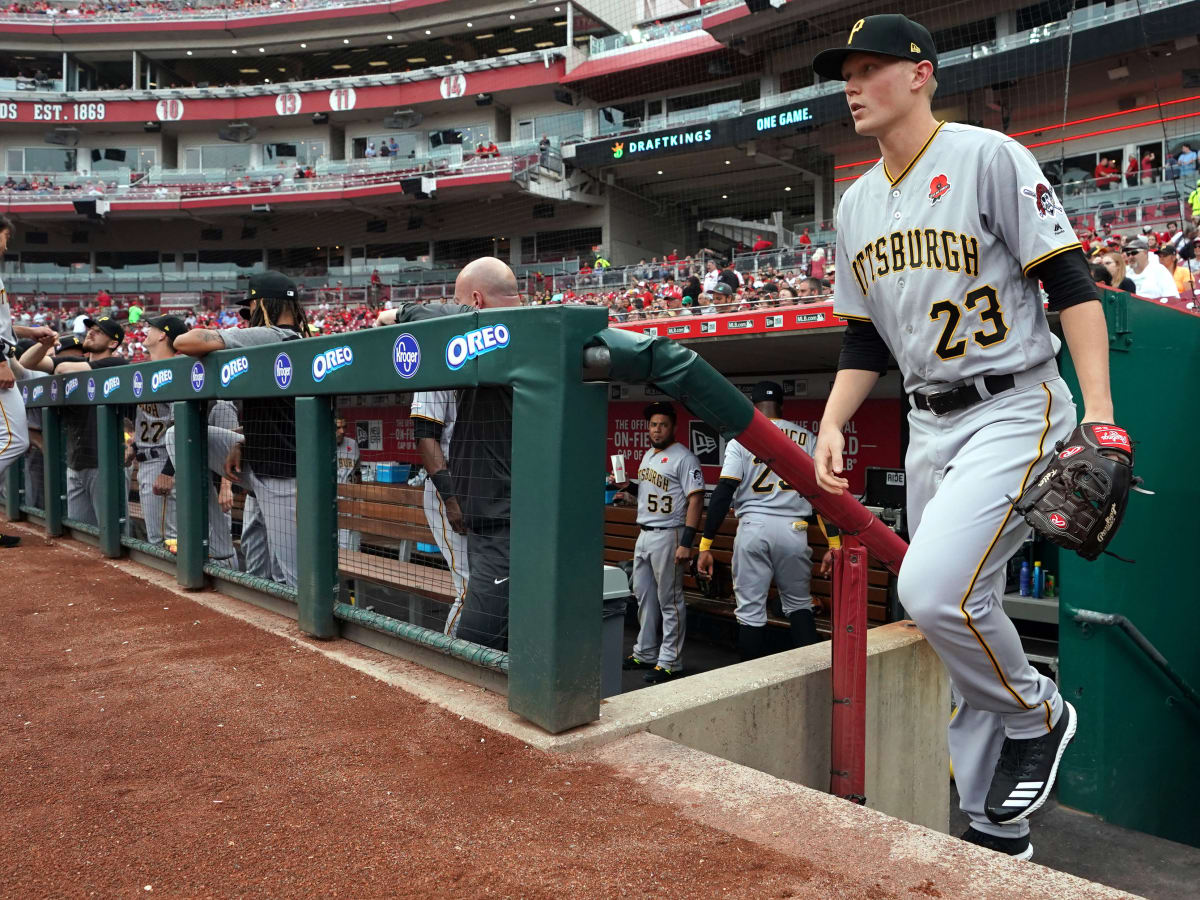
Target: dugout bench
621	533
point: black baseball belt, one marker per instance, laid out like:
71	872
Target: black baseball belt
942	403
150	453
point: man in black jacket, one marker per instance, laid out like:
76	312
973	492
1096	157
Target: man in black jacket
480	473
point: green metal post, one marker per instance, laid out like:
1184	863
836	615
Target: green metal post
110	482
56	470
192	486
13	488
316	516
556	550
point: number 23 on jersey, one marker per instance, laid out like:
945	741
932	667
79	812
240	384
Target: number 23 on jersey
981	303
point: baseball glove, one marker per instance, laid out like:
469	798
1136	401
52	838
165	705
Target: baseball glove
1079	500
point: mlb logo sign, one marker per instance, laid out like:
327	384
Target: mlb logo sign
705	443
708	327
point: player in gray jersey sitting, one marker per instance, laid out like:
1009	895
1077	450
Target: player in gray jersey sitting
772	535
670	494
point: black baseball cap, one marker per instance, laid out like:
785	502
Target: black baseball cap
171	326
68	342
661	408
270	285
108	325
767	390
888	35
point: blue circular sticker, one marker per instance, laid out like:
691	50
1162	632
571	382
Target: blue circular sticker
283	370
91	389
406	356
137	384
198	376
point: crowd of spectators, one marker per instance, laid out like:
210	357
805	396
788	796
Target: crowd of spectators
142	8
46	184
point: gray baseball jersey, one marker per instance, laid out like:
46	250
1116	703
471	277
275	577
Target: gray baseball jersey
6	330
440	407
759	489
938	257
150	424
347	459
665	480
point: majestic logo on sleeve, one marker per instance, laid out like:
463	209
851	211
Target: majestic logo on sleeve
1044	199
938	188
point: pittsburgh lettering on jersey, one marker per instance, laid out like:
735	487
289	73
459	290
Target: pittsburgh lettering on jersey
916	248
662	482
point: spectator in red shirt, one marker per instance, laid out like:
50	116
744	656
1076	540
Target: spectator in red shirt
103	299
673	256
805	239
1148	167
1105	174
1131	171
761	244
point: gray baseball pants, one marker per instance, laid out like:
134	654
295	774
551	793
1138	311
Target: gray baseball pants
658	585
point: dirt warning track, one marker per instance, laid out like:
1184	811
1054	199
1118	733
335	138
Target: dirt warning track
153	746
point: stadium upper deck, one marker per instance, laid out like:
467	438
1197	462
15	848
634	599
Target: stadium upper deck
667	123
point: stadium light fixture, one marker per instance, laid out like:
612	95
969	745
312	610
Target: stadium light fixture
543	44
262	49
235	52
377	62
560	24
470	25
724	196
304	46
345	40
427	31
189	53
522	30
558	9
248	71
416	59
340	66
660	171
483	37
507	50
511	16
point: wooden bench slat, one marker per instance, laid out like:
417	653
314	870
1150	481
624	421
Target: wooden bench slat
405	494
384	512
380	528
428	581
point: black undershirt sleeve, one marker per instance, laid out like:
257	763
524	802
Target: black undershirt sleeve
1067	280
718	506
863	348
426	428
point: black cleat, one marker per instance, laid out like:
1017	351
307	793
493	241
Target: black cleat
9	540
659	675
1016	847
1026	771
632	662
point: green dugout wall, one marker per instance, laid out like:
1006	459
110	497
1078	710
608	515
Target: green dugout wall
1133	761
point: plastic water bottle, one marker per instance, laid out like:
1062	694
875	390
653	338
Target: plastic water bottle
1038	575
1024	580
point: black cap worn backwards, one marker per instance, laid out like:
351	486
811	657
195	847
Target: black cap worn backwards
887	35
271	285
109	326
660	408
767	390
68	342
172	326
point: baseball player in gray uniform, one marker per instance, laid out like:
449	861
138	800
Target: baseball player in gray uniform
148	444
940	248
14	432
670	494
347	472
772	535
434	414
